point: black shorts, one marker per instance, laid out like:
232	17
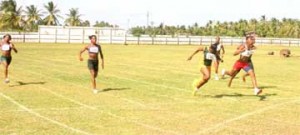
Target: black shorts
6	59
93	65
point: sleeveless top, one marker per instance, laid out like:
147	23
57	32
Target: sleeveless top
208	57
247	53
94	49
5	47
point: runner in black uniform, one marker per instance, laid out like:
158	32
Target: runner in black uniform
94	49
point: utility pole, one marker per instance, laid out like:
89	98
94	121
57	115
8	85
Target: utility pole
148	19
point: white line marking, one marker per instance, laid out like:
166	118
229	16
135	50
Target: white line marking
155	62
153	84
221	125
125	99
66	98
69	99
43	117
144	125
139	81
160	69
45	109
124	118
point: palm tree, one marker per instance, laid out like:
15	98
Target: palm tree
253	24
52	11
33	17
8	6
73	17
10	17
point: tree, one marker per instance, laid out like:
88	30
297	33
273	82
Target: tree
263	27
103	24
33	17
73	17
137	31
53	14
85	23
10	18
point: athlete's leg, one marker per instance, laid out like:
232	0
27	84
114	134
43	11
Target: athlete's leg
244	77
206	76
250	67
93	78
251	73
232	73
5	65
216	66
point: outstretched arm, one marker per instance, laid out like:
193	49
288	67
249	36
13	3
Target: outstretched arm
223	50
80	53
198	50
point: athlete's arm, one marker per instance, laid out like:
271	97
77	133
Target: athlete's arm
240	49
101	56
223	50
198	50
14	48
80	53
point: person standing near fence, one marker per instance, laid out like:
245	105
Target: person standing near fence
6	47
219	56
245	51
93	62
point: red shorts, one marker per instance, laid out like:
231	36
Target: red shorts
241	65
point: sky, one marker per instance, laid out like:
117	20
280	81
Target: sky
130	13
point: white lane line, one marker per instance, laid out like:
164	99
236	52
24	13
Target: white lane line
122	98
124	118
153	84
144	125
160	69
69	99
43	117
145	82
221	125
132	80
44	109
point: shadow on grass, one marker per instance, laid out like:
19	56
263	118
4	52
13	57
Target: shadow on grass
262	87
261	97
20	83
114	89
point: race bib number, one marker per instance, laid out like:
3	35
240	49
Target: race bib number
219	47
94	49
5	47
251	52
210	56
247	53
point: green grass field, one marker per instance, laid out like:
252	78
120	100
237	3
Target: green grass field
147	90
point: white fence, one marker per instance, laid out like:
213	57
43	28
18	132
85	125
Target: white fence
61	34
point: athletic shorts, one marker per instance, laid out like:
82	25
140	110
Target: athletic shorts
251	65
6	59
93	65
246	66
